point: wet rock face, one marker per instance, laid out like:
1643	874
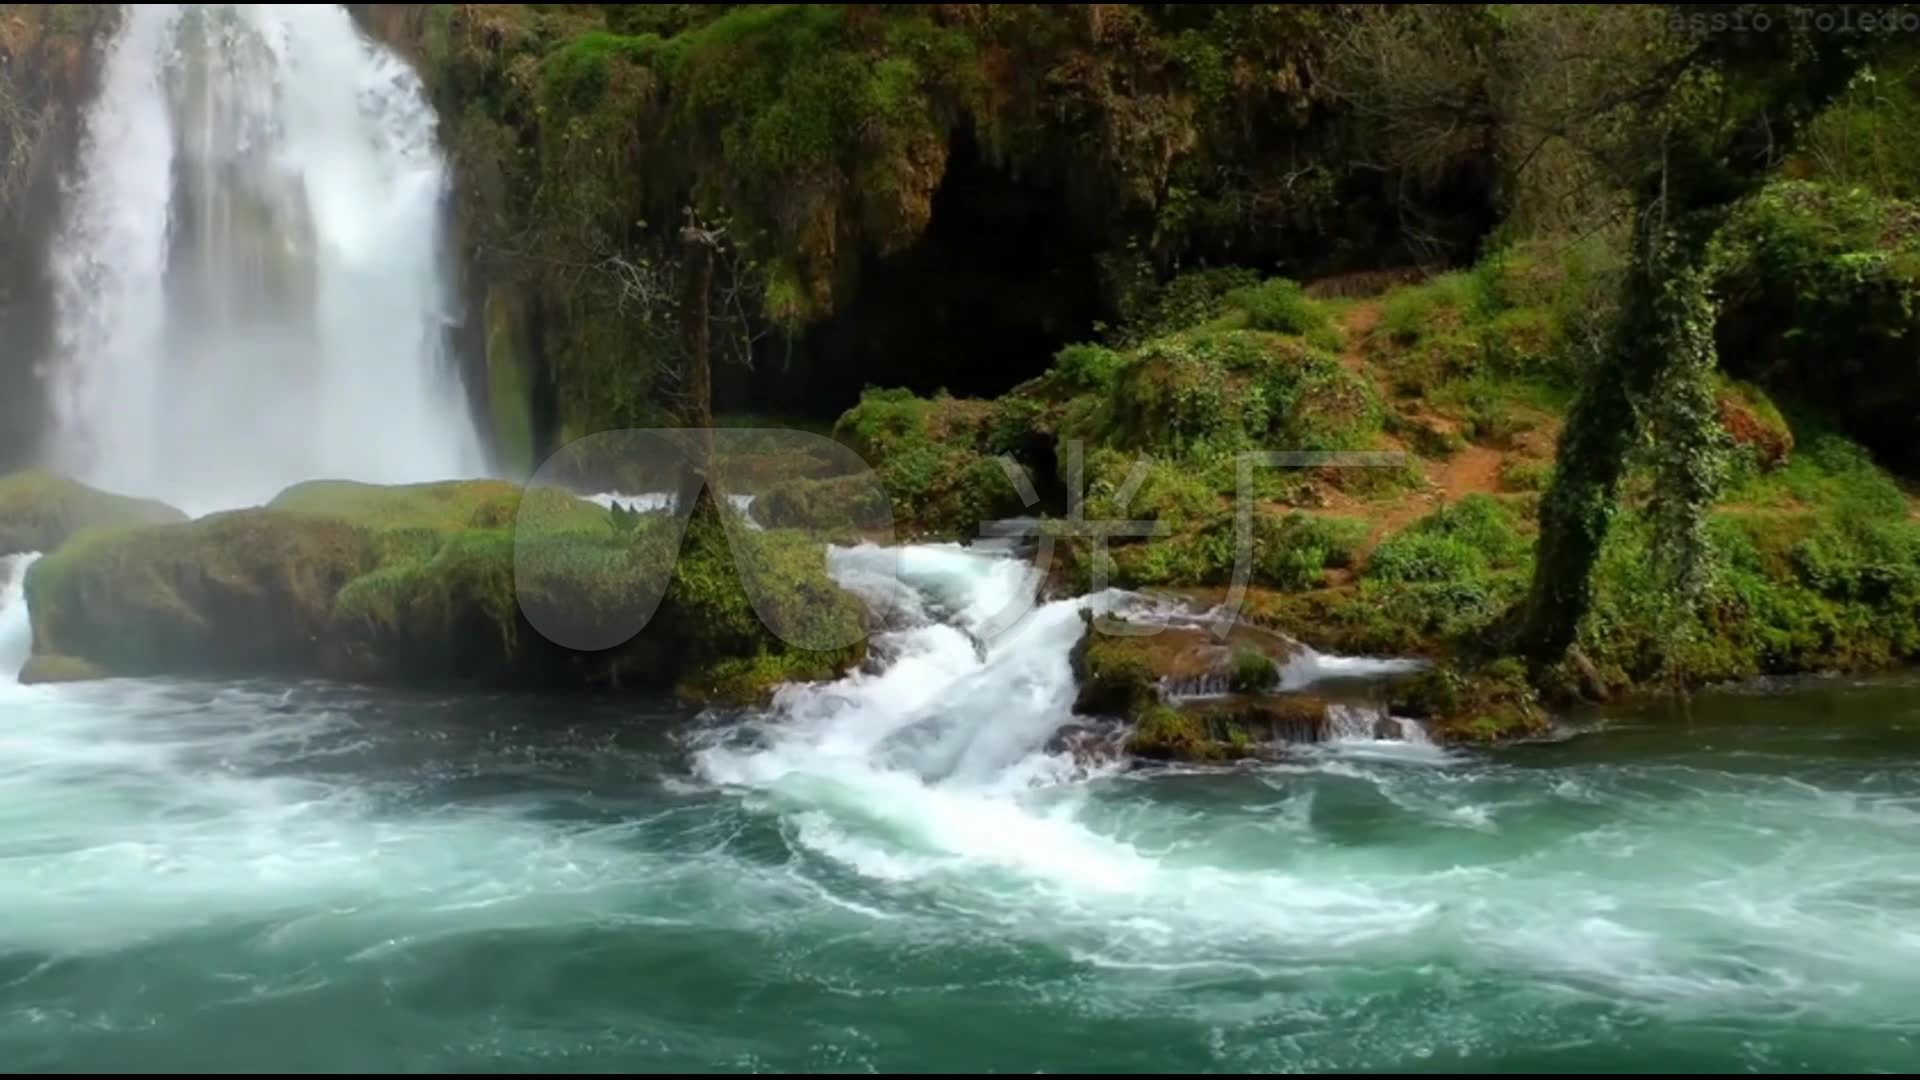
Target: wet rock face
1095	742
429	583
1124	665
1184	694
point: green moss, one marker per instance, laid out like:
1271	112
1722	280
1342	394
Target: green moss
1236	728
937	459
248	591
1517	315
1116	676
1393	618
1168	734
436	581
1817	568
1817	286
439	506
575	77
1490	703
1253	671
39	511
1185	301
509	385
1293	551
45	668
437	36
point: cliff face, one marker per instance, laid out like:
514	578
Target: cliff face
921	195
48	61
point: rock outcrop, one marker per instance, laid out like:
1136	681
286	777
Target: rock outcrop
474	582
39	511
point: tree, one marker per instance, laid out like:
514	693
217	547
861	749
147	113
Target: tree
1690	134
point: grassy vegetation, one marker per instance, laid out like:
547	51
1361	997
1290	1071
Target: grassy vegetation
937	459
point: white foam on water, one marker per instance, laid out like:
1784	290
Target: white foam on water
937	768
252	282
654	502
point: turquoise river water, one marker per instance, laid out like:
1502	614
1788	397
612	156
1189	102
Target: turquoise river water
897	873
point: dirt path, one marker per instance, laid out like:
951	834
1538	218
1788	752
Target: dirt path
1356	326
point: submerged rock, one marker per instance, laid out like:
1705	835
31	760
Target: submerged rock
471	581
39	511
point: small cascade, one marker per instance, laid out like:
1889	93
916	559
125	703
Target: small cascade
1348	722
1310	668
655	502
1315	697
1201	687
16	630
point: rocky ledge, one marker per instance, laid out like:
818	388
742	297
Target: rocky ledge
1183	694
479	582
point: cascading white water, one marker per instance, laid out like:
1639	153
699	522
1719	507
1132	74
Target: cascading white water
16	634
942	756
251	281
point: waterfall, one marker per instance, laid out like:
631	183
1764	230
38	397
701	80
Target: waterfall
251	280
16	633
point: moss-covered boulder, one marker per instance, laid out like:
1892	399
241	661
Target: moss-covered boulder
47	668
1235	728
938	458
40	510
1122	666
472	581
1190	696
245	592
1484	704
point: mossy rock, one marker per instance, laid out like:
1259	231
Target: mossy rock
47	669
469	582
1486	704
938	458
40	510
1164	733
1123	666
1236	728
248	591
1140	674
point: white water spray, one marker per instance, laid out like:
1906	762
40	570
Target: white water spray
251	280
16	633
942	757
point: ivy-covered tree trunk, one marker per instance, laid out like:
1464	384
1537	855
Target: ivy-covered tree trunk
1661	344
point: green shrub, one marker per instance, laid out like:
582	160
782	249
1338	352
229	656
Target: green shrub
1280	306
1294	551
1518	475
1458	543
1086	367
1253	672
1185	301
